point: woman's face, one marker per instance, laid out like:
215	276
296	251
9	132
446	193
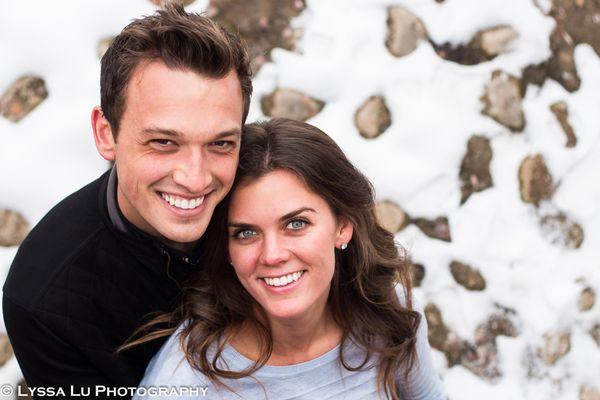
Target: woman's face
282	240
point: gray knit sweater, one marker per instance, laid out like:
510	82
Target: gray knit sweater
321	378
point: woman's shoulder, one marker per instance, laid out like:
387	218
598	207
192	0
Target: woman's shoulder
423	381
402	294
170	367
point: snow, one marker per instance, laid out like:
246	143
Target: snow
435	108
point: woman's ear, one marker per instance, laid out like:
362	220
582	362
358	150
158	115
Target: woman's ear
344	233
103	135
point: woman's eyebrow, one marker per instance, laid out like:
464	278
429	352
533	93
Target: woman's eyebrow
289	215
239	225
296	212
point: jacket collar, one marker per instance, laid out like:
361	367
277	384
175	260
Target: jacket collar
119	223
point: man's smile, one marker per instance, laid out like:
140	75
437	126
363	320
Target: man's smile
183	202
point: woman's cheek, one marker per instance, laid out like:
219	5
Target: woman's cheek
244	258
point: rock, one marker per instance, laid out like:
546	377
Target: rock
437	229
484	46
263	24
373	117
577	21
561	112
587	299
417	272
103	45
163	2
561	66
25	94
580	19
595	333
405	31
560	230
556	345
589	393
390	216
466	276
485	364
535	181
6	351
461	54
290	103
497	324
437	331
483	361
495	40
475	167
534	74
458	351
13	228
502	100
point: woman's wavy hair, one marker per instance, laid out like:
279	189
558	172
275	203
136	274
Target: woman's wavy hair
362	298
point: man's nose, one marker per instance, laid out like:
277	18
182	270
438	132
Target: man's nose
274	250
192	172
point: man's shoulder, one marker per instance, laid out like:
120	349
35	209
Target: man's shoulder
72	229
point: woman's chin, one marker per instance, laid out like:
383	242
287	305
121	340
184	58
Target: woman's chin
292	312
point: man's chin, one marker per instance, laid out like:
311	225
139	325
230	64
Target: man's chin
183	240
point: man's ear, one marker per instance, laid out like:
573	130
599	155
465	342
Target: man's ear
103	136
345	231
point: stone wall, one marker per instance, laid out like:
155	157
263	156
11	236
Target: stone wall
481	141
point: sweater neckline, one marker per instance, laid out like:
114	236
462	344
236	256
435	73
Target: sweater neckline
240	362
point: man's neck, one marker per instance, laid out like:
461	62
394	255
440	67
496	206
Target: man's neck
120	221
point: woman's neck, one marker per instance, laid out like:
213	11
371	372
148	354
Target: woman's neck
294	340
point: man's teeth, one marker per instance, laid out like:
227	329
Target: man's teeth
184	204
284	280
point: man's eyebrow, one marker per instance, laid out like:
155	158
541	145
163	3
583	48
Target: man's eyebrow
162	131
175	133
230	132
287	216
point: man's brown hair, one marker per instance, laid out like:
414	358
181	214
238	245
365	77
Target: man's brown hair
181	40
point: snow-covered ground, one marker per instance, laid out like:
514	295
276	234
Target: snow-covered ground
435	106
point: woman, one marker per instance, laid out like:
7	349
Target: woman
303	294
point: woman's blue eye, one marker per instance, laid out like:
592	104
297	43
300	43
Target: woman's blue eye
296	224
245	234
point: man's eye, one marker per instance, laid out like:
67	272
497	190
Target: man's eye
296	224
223	144
244	234
162	142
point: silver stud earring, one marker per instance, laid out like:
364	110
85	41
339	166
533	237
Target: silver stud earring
344	246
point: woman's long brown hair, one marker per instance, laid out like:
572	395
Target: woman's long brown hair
362	299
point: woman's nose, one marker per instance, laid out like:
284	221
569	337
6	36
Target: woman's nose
274	251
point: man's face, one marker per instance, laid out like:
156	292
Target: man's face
177	150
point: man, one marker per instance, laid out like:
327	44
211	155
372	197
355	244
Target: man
175	91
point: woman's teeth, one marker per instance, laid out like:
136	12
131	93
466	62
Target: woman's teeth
184	204
283	280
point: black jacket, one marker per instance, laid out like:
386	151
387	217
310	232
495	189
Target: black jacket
80	284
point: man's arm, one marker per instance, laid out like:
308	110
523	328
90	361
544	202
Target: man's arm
46	359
